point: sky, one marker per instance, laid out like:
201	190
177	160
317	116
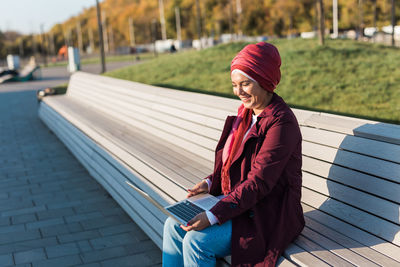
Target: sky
27	16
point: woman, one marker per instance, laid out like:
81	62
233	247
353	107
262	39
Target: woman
257	176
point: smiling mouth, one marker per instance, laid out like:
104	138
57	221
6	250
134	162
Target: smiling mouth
247	99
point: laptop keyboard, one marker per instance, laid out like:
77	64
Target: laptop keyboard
185	210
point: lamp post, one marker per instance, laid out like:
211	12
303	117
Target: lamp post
103	62
393	21
335	19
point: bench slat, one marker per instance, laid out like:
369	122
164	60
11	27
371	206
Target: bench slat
371	184
151	110
349	243
158	180
135	143
355	198
336	248
302	257
320	252
377	167
92	92
368	240
384	229
199	98
185	140
187	104
95	164
351	143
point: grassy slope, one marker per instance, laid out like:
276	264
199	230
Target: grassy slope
344	77
96	59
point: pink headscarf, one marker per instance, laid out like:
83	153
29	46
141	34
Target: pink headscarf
262	63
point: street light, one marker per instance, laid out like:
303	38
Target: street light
103	62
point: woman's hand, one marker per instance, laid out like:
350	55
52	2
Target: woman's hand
199	188
198	223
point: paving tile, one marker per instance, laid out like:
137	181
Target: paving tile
6	260
64	204
103	254
95	264
70	260
29	244
60	229
23	218
13	237
83	217
84	246
52	213
113	241
150	258
5	221
23	265
44	223
29	255
78	236
22	211
57	213
62	250
12	228
143	246
119	228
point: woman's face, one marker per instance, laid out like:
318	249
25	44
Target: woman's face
253	96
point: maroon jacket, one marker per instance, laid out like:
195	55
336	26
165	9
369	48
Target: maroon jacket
264	204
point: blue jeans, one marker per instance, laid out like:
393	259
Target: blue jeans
195	248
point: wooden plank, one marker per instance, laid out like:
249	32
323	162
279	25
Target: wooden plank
156	178
179	137
353	197
133	142
282	262
94	92
368	240
349	243
66	103
365	221
148	110
370	184
377	149
380	131
320	252
340	124
373	166
336	248
119	193
302	115
185	104
301	257
199	98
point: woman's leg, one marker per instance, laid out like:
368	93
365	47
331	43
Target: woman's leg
172	243
201	248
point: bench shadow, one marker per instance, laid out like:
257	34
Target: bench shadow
362	204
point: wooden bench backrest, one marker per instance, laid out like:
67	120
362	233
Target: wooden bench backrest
351	167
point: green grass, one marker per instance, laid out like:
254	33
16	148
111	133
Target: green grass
344	77
96	59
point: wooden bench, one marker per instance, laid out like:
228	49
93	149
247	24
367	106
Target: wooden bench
163	140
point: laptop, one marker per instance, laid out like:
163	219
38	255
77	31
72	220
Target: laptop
184	210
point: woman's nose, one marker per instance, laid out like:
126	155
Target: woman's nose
240	90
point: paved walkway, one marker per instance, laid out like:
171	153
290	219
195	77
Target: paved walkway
52	213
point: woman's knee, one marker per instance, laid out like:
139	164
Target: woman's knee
171	227
194	241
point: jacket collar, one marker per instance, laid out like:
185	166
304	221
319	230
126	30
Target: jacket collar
270	110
